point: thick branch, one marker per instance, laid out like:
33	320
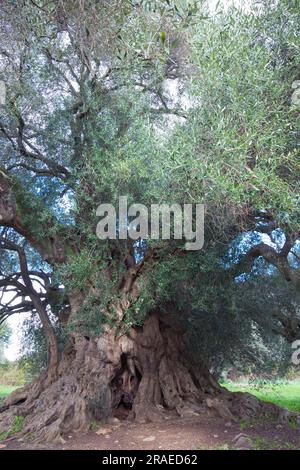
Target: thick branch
278	259
290	323
51	248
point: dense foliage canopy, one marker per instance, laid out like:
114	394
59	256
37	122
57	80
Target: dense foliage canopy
164	102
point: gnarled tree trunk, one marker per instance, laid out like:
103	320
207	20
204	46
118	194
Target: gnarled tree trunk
144	373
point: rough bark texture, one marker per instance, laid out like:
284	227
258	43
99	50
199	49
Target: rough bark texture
145	373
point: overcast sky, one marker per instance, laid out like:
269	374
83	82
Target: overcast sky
12	351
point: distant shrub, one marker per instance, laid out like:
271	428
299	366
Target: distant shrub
266	384
13	374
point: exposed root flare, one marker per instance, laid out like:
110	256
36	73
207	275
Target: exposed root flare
145	374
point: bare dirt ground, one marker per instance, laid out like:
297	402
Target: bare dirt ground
197	432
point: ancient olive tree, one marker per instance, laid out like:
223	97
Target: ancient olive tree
90	115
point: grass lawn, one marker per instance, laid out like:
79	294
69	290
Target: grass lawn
6	390
287	395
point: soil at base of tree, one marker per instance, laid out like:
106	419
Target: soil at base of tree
198	432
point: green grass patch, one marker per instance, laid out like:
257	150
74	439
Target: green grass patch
286	395
6	390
